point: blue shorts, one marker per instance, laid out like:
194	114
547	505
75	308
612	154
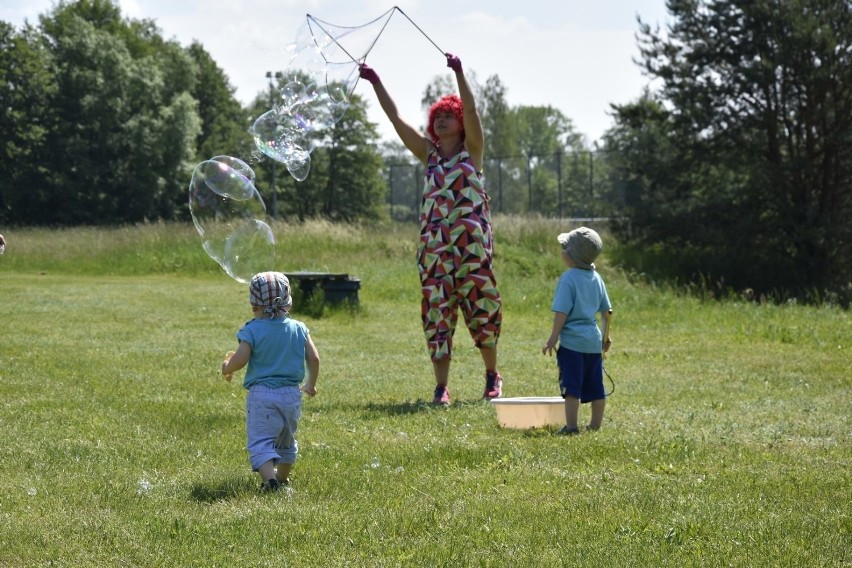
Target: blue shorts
580	374
272	418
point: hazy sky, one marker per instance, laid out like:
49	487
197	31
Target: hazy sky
575	55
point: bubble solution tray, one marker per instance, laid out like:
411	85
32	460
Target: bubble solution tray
530	411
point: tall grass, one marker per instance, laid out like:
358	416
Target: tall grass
726	442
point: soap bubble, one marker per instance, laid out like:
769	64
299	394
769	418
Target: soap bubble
284	138
229	214
311	98
228	177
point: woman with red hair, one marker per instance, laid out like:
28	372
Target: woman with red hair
455	252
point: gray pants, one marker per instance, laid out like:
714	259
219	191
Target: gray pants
272	418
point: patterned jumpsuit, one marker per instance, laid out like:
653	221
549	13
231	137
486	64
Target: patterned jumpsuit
455	255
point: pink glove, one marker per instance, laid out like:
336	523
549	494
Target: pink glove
368	73
453	62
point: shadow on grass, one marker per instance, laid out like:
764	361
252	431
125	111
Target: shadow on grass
399	408
222	491
417	406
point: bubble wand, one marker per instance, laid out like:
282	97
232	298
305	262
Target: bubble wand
419	30
343	49
319	23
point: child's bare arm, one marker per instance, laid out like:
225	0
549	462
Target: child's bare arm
559	320
312	361
236	360
606	318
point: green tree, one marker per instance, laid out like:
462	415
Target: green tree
498	122
757	190
224	122
641	153
355	187
125	124
502	160
27	91
544	135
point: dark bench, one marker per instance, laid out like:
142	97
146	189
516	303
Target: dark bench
337	288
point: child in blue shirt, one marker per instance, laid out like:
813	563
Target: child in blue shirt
580	296
276	349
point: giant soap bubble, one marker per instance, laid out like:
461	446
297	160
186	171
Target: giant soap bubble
229	214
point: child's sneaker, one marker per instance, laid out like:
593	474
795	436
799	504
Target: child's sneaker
493	385
566	431
270	486
442	395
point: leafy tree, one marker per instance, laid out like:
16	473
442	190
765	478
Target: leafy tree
502	160
27	90
224	123
498	122
120	124
544	134
641	152
355	187
92	74
756	98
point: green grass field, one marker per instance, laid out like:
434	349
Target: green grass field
725	443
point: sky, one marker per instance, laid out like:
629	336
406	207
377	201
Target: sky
574	55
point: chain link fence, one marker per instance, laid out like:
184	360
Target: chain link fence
576	184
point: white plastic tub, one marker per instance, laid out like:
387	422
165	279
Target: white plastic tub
530	411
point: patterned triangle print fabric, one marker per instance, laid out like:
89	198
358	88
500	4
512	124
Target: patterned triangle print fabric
455	256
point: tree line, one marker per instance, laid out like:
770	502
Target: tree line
739	167
735	170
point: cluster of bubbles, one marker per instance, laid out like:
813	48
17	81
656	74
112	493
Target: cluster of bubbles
313	99
226	206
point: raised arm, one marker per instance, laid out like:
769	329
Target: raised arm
473	135
415	141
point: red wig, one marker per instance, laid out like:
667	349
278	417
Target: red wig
447	103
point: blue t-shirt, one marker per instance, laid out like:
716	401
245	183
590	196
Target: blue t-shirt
277	351
581	294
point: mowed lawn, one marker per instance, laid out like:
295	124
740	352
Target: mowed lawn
725	443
